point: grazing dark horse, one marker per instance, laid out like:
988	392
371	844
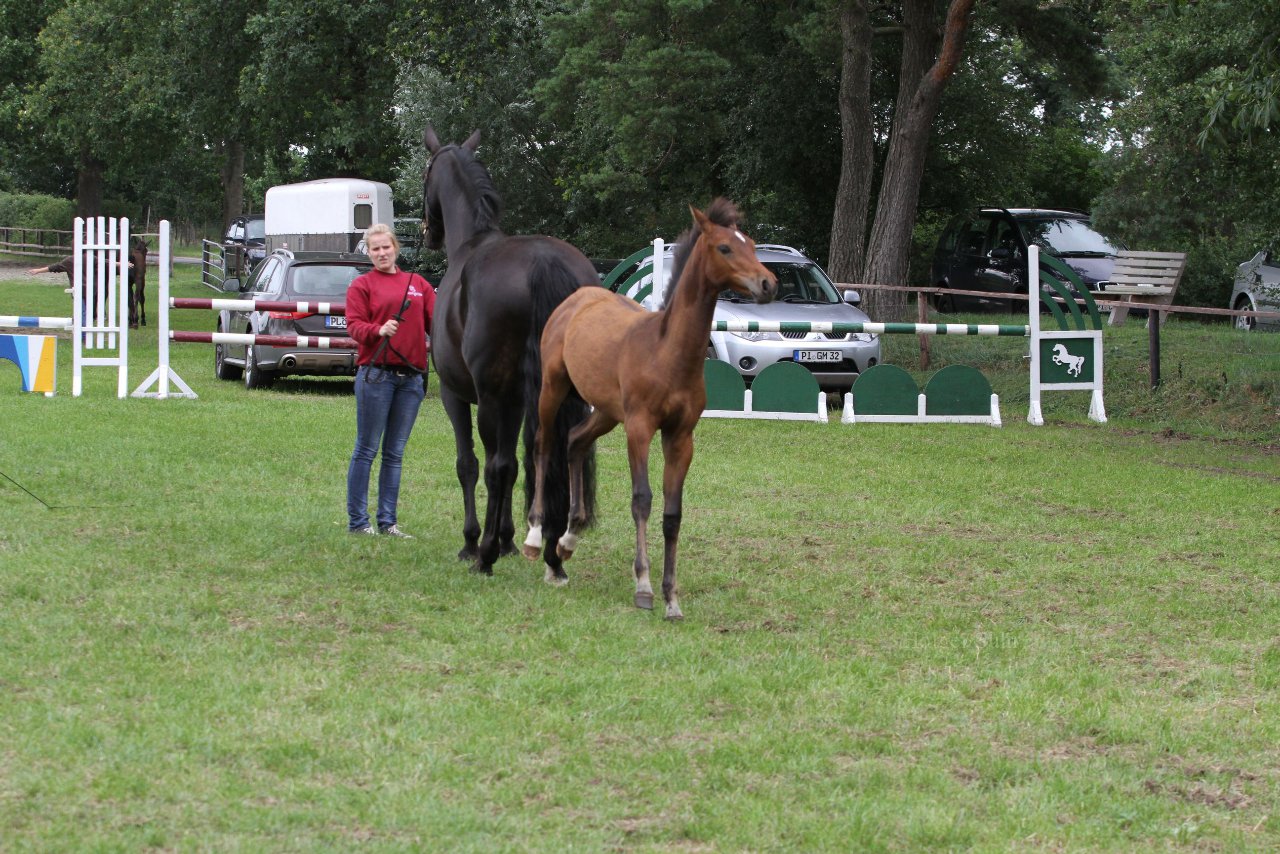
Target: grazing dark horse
643	370
137	282
491	307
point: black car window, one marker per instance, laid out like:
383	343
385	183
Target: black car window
1004	235
323	280
255	229
973	237
1067	236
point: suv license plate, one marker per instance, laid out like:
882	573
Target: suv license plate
333	321
817	356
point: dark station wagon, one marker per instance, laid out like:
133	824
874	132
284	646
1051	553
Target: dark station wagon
289	276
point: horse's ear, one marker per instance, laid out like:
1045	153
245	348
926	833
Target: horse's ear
429	139
473	142
699	218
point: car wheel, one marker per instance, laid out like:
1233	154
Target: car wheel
221	369
254	376
944	303
1245	324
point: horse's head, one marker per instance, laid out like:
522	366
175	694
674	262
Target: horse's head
729	255
433	223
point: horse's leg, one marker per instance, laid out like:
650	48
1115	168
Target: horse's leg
639	437
468	468
581	438
677	451
142	301
555	385
498	422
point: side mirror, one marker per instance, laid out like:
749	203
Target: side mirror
853	297
231	285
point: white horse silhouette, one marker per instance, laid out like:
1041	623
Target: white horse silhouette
1062	357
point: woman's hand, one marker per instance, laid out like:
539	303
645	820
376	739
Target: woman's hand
389	328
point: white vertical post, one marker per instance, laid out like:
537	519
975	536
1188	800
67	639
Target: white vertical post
659	256
161	376
1034	415
77	305
120	308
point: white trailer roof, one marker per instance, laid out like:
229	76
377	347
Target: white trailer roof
325	206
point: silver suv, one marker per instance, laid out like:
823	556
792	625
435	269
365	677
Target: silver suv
805	294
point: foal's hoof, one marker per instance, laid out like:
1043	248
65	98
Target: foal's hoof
469	553
555	579
674	613
481	569
644	600
564	553
508	548
531	552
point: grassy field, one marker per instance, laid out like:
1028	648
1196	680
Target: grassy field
896	638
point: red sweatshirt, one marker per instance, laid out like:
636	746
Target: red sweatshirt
373	299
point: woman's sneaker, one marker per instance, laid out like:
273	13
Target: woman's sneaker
367	530
394	531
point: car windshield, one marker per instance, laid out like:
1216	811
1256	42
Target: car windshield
797	282
1066	236
256	229
323	280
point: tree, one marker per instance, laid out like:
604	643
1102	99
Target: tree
1168	191
100	93
321	79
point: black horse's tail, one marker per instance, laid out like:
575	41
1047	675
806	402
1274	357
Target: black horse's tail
551	281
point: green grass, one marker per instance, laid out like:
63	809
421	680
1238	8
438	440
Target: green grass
897	638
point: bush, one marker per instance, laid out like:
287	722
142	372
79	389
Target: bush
29	210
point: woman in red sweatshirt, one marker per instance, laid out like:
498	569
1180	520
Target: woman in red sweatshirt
388	314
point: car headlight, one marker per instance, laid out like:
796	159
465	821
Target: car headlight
757	336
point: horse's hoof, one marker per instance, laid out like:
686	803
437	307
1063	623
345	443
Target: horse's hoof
674	613
564	553
468	553
531	552
644	600
481	569
555	579
508	548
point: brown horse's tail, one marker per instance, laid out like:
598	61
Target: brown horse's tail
551	281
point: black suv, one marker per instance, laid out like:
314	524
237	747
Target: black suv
245	238
987	251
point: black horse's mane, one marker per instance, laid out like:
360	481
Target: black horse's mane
486	204
722	212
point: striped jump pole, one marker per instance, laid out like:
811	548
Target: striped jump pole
10	321
872	328
312	341
332	308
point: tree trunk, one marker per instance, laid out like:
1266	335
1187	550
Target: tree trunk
232	176
89	186
919	96
857	153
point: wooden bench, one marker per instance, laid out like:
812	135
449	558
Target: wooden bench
1149	278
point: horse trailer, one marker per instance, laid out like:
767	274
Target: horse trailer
330	214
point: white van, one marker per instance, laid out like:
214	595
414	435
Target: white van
330	214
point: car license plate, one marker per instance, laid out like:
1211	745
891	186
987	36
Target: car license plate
817	356
333	321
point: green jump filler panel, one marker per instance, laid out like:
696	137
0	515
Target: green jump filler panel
957	394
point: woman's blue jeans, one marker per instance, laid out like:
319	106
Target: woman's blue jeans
385	411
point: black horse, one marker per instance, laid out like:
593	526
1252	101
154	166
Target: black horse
137	282
492	305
